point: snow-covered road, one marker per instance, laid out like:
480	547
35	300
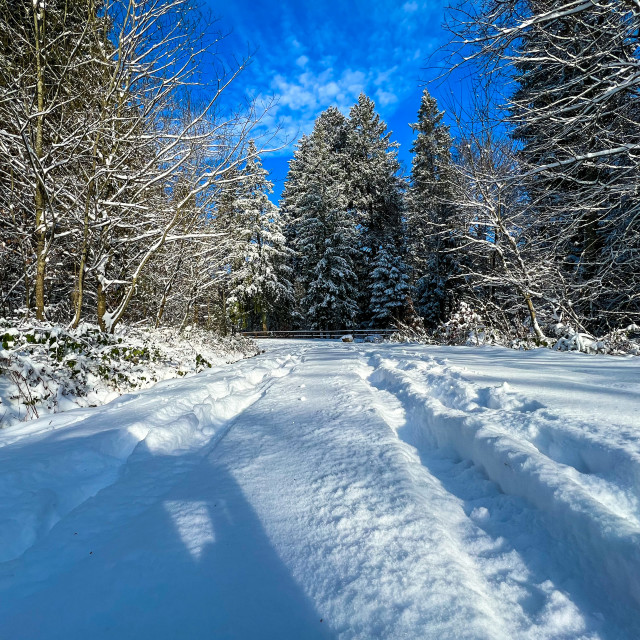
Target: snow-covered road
329	490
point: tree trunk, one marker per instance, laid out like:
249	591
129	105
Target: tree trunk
102	307
534	320
40	196
163	302
79	292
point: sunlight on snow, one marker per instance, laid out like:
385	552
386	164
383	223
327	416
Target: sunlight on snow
193	522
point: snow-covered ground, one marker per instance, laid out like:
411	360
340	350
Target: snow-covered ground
330	490
46	368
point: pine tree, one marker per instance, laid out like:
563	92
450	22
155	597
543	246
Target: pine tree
390	288
430	214
376	196
260	277
322	231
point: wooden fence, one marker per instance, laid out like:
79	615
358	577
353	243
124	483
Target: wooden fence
321	334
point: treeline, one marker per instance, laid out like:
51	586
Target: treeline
344	207
126	193
529	214
118	137
368	245
546	162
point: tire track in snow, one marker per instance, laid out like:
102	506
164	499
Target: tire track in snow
336	493
569	536
599	467
309	490
165	435
525	601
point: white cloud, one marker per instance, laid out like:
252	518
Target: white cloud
324	58
386	98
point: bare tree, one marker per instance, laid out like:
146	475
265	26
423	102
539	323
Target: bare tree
574	116
117	144
156	143
45	50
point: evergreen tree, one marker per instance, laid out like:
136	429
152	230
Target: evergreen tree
390	288
376	196
293	192
374	183
430	214
344	204
331	128
325	240
260	277
320	228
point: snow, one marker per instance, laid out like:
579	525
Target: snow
334	490
46	369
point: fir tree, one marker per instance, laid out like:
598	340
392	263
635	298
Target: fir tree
429	214
376	196
374	183
324	235
260	276
332	128
390	288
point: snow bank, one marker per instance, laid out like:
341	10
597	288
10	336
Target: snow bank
330	490
588	482
46	369
52	465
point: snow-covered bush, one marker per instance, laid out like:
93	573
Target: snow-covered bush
624	341
571	340
467	327
619	342
410	333
45	368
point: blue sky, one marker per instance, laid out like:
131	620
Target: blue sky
310	55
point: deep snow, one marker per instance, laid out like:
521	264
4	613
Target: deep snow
46	368
331	490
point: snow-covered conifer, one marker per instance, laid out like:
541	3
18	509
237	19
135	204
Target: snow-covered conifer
325	234
320	227
260	275
376	196
375	187
429	214
390	288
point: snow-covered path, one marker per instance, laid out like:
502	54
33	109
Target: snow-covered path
328	490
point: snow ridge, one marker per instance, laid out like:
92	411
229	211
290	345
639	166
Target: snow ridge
512	440
334	490
184	419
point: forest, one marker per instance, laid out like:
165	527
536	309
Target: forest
132	188
446	199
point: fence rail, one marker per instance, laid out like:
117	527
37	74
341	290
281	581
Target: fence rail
320	334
